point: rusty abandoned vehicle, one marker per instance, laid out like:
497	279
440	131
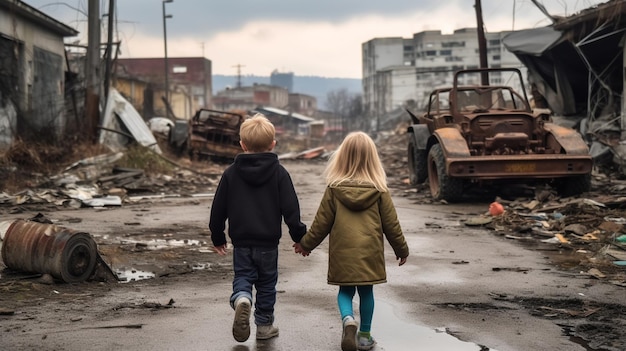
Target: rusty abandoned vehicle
472	134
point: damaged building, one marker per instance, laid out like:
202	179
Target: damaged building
576	68
32	67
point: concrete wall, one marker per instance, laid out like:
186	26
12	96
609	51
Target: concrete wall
36	53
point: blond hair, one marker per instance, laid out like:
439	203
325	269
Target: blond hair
356	159
257	133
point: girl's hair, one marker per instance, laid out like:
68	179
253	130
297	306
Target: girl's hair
257	133
356	159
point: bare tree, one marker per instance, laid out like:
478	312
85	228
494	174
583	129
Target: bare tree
347	110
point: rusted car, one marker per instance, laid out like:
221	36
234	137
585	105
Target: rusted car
212	134
474	133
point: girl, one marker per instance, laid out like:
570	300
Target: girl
356	211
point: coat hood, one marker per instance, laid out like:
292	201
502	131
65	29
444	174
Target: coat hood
256	168
356	197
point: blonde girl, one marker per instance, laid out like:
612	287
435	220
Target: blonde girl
356	213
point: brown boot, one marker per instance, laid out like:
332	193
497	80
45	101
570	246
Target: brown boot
264	332
241	323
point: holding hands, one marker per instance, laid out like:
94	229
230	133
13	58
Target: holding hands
299	250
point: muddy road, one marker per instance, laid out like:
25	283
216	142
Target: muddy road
462	288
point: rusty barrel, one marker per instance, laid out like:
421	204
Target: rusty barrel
35	247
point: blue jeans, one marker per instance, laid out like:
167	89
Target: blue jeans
258	267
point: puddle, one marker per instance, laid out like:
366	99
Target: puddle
131	275
395	334
208	266
160	244
126	275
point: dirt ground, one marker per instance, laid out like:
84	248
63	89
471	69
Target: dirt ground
481	284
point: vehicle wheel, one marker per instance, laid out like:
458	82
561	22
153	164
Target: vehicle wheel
442	187
575	185
418	167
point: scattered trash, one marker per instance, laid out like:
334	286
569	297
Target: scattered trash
460	262
561	238
496	209
478	221
35	247
511	269
594	272
553	240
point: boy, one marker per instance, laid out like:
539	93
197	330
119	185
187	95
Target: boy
254	195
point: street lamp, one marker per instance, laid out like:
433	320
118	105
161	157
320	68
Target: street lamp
167	86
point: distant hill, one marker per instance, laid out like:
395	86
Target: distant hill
309	85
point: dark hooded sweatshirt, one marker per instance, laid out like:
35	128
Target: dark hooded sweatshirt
254	195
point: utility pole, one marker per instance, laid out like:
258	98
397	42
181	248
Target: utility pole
167	70
482	43
239	74
107	72
92	70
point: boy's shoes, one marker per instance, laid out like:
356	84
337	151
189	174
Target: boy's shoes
348	340
366	342
264	332
241	324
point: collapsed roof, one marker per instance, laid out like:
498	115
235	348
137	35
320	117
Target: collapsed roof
576	68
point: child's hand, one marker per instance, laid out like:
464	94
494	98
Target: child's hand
402	260
221	250
298	249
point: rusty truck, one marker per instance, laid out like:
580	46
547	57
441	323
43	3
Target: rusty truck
474	133
211	134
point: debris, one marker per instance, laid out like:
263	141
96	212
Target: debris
594	272
112	135
460	262
478	221
5	312
34	247
496	209
619	255
312	153
561	238
511	269
575	228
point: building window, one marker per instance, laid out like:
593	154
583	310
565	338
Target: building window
431	53
496	57
445	52
494	42
454	59
453	44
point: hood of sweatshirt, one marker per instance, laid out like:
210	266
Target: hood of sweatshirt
256	168
356	197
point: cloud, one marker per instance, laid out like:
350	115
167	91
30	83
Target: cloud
320	37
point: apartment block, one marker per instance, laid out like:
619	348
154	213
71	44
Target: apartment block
398	71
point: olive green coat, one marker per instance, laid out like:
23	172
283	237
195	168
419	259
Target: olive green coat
356	216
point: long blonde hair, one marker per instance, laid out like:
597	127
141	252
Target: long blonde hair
356	159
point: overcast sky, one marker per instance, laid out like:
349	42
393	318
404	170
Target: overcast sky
321	37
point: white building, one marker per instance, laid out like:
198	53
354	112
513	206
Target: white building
399	70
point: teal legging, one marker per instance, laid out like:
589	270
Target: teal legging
366	304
